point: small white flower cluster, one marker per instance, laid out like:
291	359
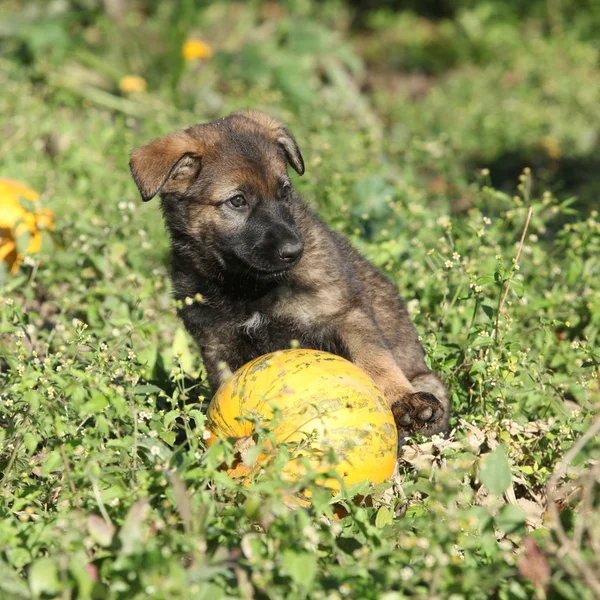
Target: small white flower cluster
126	205
437	439
564	430
144	416
336	528
429	561
312	537
79	324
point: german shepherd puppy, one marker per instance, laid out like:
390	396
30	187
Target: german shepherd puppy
269	271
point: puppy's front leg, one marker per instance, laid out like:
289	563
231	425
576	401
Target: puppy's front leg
413	409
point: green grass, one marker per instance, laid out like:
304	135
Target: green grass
107	490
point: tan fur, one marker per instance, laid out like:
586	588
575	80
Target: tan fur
166	164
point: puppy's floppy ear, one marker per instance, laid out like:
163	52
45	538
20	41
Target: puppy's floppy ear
282	135
292	152
166	164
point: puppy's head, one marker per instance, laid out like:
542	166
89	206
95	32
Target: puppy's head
226	192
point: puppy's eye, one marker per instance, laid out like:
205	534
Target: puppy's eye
237	202
286	191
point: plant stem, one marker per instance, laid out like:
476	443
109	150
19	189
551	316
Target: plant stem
512	274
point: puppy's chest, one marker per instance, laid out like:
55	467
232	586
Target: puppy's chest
281	304
263	333
255	324
280	317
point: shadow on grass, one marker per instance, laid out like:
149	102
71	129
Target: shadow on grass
566	176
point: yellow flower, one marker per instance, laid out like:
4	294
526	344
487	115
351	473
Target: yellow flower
16	220
194	49
132	83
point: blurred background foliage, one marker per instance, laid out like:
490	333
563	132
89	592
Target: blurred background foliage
501	84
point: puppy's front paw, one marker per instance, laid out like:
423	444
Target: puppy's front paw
419	412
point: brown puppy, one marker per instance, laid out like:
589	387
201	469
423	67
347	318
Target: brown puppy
269	271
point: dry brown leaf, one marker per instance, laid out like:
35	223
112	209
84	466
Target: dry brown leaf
492	440
475	438
242	445
534	513
533	565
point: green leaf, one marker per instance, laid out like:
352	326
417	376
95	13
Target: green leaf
168	437
33	399
360	488
170	417
495	472
81	575
486	279
102	425
19	556
23	242
132	530
118	252
43	577
97	404
147	388
11	583
383	518
30	442
221	478
52	462
517	287
510	518
181	350
488	310
300	566
483	341
119	404
199	417
100	531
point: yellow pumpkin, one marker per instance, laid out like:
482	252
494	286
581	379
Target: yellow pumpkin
309	395
16	220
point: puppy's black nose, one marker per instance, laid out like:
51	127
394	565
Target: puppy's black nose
290	251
